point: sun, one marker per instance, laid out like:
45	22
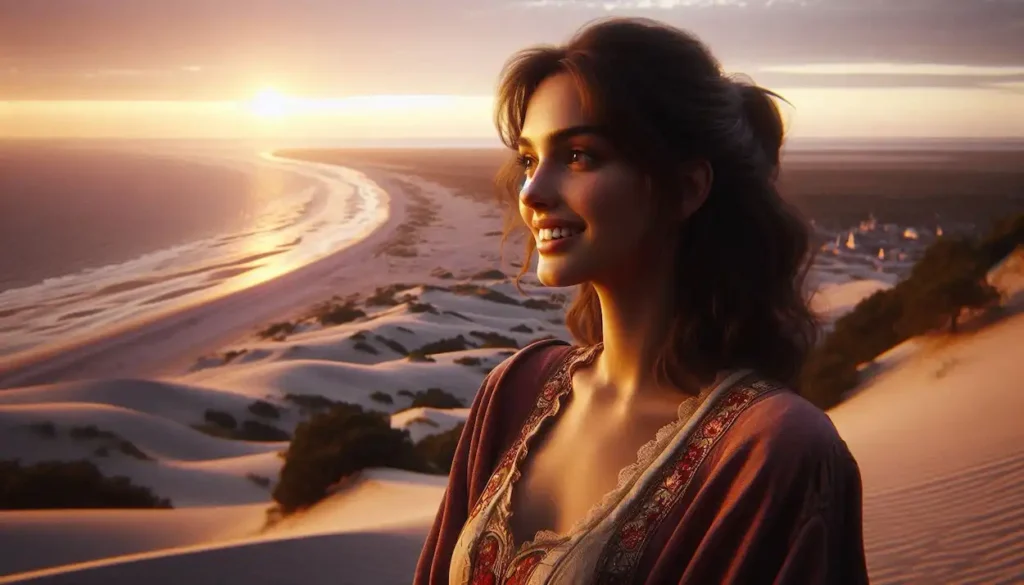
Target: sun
269	103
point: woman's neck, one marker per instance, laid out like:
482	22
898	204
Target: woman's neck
635	319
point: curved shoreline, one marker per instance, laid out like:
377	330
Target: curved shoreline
170	342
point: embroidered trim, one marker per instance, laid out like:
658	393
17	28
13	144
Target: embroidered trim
621	556
546	400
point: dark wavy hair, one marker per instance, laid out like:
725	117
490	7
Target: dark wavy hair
743	257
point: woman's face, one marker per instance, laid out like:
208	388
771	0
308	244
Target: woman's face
584	205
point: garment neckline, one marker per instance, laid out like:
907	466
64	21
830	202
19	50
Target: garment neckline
627	476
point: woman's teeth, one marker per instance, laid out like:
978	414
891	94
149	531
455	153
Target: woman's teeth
547	234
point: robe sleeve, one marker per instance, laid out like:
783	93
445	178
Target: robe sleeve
492	417
781	505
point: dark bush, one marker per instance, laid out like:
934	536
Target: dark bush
492	339
382	397
277	331
436	398
264	409
253	430
365	348
334	445
483	292
230	356
521	328
437	451
541	305
492	274
392	345
331	313
220	418
69	484
91	432
949	277
44	429
310	401
467	360
457	343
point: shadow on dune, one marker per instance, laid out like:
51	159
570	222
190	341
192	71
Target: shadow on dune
338	559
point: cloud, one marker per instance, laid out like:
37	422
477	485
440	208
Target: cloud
925	69
331	47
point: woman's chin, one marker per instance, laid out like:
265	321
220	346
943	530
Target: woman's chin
555	272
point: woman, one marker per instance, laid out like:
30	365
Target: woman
666	447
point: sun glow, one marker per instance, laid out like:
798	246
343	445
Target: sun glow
270	103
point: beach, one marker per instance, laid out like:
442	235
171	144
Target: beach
425	300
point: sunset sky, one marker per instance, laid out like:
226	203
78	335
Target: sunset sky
427	68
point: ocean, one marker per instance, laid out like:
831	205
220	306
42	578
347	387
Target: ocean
94	234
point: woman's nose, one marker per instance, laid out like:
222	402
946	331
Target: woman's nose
538	190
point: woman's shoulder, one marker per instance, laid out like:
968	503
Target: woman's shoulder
784	426
531	363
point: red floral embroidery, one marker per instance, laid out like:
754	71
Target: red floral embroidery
523	566
486	557
489	553
622	553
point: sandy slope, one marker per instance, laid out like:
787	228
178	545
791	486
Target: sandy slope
934	431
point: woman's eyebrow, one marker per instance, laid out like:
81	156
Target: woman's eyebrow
564	134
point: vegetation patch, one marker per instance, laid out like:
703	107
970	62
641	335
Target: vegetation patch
265	409
541	305
483	292
69	484
948	279
277	331
493	339
365	348
45	429
392	345
332	446
457	343
521	328
230	355
438	451
260	480
468	360
111	439
382	397
333	313
488	275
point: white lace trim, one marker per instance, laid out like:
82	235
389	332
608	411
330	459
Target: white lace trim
628	475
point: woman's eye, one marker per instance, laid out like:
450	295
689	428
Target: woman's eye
581	158
525	162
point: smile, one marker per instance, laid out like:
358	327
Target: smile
552	241
559	233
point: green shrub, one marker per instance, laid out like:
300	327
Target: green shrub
44	429
457	343
277	331
492	339
264	409
382	397
334	445
437	451
220	418
331	313
436	398
69	484
254	430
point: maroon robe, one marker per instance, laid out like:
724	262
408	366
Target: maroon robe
774	499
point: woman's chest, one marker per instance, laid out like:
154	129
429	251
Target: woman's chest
570	468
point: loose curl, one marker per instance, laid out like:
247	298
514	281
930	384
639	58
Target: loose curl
744	255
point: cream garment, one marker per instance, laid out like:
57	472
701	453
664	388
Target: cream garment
483	553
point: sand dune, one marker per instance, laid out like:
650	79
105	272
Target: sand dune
935	430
